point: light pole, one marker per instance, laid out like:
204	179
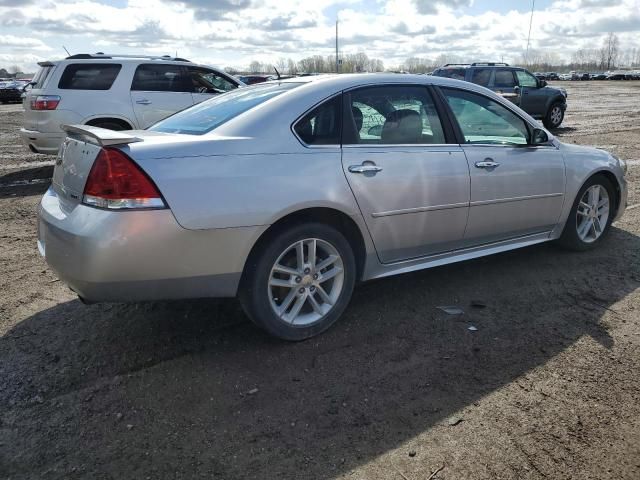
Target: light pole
526	55
337	61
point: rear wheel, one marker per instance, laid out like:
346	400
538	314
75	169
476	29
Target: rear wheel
554	116
591	215
301	281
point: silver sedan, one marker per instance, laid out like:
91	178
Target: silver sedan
287	193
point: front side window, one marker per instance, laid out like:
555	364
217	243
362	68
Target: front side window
323	125
504	79
210	114
160	78
485	121
394	114
525	79
89	76
481	76
202	80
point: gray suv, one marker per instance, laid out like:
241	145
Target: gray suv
534	96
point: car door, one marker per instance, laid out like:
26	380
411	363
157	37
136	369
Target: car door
516	189
506	85
412	187
533	98
206	83
159	90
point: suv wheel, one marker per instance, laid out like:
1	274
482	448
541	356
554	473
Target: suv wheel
301	281
554	117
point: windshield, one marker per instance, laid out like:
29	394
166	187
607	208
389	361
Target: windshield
208	115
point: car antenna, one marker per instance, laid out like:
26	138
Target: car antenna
277	72
65	49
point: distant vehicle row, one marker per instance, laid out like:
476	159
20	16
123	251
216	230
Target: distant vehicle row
619	75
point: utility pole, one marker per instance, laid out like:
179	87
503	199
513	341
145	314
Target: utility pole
526	55
337	61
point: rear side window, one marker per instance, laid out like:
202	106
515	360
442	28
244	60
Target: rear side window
481	76
392	114
455	73
322	126
160	78
504	79
89	76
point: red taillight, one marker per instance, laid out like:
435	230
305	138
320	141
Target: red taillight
45	102
115	181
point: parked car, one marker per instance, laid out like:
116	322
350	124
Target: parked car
553	76
520	86
617	76
564	76
117	92
253	79
288	193
11	91
540	76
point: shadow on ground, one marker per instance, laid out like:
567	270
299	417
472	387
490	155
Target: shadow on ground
168	389
32	181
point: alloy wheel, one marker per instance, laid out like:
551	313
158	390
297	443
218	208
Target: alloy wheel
593	213
305	281
556	115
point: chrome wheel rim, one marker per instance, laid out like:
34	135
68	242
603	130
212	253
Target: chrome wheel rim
556	115
593	213
305	282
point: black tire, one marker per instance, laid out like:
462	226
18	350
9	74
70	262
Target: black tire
254	293
570	238
109	125
555	116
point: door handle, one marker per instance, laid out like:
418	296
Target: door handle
144	101
365	168
487	163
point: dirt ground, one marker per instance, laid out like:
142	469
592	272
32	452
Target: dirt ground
548	387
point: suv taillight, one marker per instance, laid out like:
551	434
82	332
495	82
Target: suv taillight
116	182
45	102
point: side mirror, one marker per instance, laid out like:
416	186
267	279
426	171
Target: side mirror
542	83
539	137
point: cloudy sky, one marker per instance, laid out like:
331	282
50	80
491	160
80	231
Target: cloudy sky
234	32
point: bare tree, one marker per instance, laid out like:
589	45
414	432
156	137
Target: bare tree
611	46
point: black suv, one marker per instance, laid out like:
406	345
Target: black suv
516	84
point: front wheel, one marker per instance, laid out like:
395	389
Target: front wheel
554	116
300	282
591	215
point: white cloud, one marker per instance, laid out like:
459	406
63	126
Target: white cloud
234	32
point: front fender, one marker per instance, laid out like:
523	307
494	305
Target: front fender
581	164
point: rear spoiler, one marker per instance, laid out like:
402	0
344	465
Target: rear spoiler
46	64
100	136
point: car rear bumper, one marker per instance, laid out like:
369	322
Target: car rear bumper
39	142
139	255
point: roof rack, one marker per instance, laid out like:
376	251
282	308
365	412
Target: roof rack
88	56
490	64
456	65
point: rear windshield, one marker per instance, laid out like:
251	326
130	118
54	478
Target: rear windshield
89	76
206	116
40	77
